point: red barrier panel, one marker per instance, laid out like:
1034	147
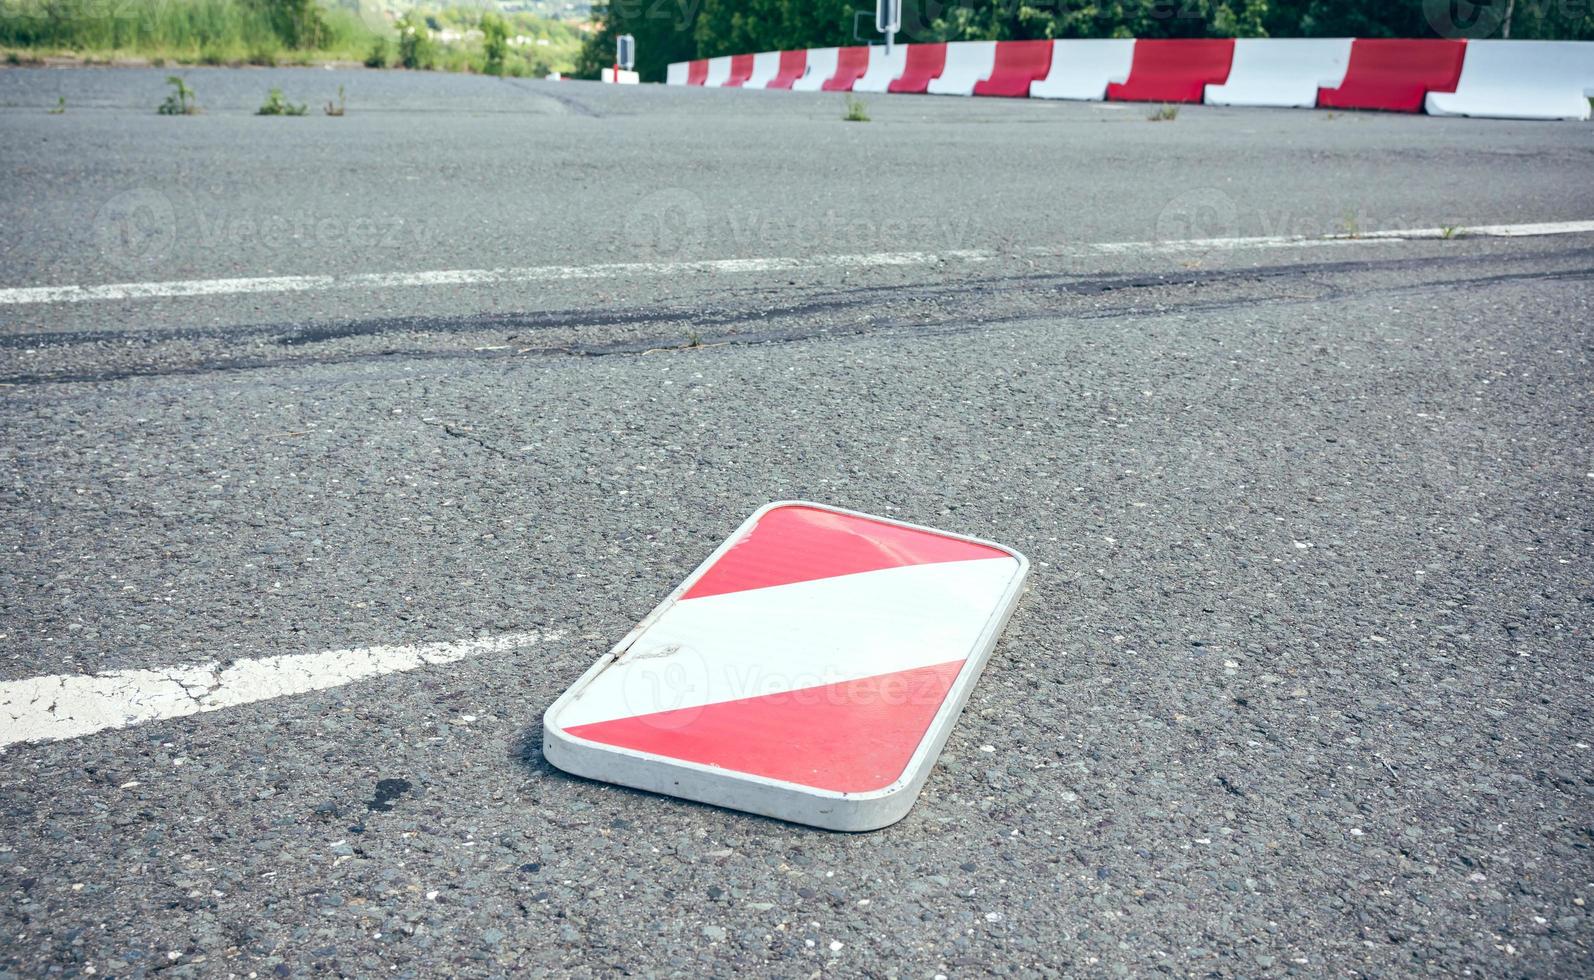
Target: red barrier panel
1017	64
792	64
1395	74
697	72
1177	70
851	63
925	64
741	70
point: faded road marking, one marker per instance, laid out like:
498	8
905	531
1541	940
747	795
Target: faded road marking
57	706
26	295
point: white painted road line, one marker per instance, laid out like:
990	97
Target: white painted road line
33	295
470	277
57	706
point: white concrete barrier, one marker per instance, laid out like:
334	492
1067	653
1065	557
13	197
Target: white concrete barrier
766	65
1521	80
821	67
719	69
1083	69
1283	72
967	64
626	77
675	74
883	69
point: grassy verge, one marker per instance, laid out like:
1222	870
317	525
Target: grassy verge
201	32
258	32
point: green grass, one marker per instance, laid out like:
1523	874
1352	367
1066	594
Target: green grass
243	32
180	101
1164	113
276	105
856	110
211	32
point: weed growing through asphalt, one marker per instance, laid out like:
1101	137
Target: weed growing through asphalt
180	101
1448	232
1164	113
60	106
336	110
694	339
856	110
1349	227
276	105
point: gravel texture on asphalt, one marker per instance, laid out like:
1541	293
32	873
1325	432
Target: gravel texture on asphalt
1299	683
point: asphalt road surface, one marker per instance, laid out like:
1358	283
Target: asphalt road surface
481	369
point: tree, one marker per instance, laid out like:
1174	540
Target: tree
495	42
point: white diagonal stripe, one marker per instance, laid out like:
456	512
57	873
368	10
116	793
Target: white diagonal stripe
60	706
791	637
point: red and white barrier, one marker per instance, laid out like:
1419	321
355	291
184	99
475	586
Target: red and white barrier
1018	65
883	68
741	70
1083	69
1521	80
967	64
1282	72
851	63
609	77
766	65
1506	79
1175	70
1395	74
719	72
792	66
925	64
821	68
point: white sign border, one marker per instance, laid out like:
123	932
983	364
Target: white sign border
827	809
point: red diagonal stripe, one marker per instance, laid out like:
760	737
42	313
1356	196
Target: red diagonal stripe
851	737
800	544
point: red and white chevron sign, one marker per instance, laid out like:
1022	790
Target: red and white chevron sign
810	670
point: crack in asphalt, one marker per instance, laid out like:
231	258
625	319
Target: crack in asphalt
456	432
1319	276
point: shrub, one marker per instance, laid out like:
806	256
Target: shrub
180	101
415	42
276	105
495	42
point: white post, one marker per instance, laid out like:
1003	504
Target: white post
888	19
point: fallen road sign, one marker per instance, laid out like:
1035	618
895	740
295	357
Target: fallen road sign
811	669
